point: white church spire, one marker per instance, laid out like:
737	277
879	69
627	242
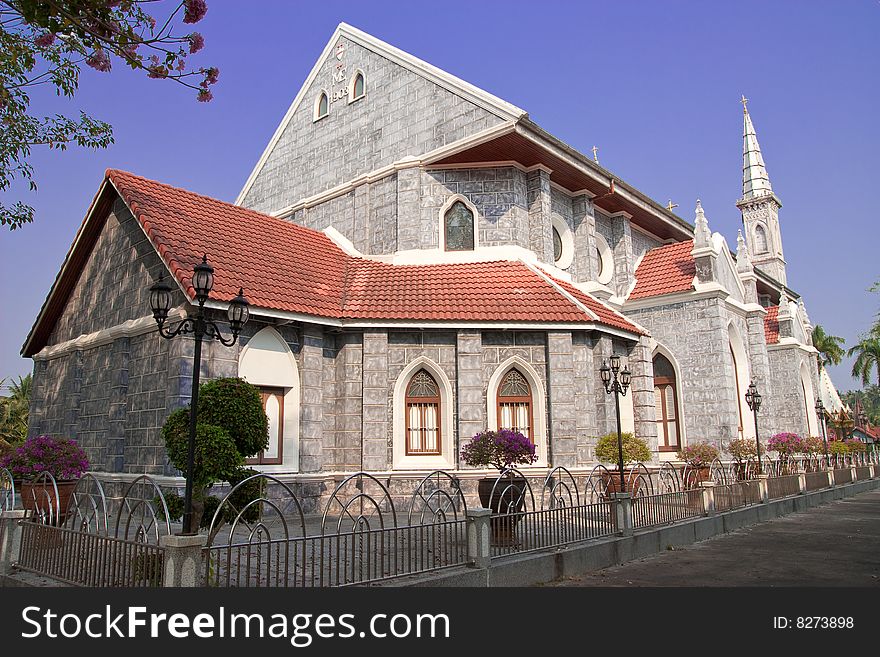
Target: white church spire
756	182
760	207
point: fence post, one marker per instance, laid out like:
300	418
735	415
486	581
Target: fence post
831	481
10	538
623	513
802	483
708	488
872	470
478	551
855	475
763	488
184	560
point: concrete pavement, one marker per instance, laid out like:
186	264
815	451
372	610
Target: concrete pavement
837	544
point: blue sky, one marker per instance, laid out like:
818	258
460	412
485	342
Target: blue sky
655	85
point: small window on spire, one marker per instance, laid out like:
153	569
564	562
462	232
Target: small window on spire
761	239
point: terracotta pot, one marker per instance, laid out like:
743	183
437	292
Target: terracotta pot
696	476
612	481
41	498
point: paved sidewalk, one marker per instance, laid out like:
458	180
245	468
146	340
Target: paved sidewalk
837	544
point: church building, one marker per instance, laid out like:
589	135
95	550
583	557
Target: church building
423	262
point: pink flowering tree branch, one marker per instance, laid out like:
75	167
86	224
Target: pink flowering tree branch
46	42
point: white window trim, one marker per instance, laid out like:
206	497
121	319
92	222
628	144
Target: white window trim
607	256
743	366
539	412
679	387
400	459
567	237
442	220
351	96
316	116
282	373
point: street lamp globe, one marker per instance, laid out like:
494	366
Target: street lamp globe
160	300
203	280
238	312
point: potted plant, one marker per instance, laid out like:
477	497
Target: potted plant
787	445
501	449
60	457
743	452
697	459
634	450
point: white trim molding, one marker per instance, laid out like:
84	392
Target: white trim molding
567	237
351	84
266	360
446	459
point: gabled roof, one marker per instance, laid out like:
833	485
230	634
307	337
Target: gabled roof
292	269
479	97
665	270
771	325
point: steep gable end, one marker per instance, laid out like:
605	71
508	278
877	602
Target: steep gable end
408	108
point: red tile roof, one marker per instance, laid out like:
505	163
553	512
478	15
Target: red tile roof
665	270
286	267
771	325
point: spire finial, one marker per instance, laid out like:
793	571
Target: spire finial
595	150
744	100
743	261
702	234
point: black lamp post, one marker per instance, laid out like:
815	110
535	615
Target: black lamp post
753	399
617	381
200	327
820	411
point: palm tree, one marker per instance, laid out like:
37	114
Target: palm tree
867	353
14	411
830	347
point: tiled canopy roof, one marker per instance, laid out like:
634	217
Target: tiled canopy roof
771	325
286	267
665	270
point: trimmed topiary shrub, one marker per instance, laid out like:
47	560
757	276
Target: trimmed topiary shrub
634	449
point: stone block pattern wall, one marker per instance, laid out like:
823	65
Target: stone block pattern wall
401	114
642	243
499	194
114	285
696	334
788	410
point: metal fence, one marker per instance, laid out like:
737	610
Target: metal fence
360	539
736	495
73	543
783	486
666	508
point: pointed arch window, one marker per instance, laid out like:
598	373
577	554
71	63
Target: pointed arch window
273	405
358	87
322	106
422	415
515	404
761	244
666	405
459	227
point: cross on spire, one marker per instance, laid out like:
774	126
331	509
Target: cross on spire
671	205
744	100
595	154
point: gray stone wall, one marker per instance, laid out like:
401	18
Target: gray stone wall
114	285
401	114
499	194
696	333
642	243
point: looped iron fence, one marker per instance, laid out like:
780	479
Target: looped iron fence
437	498
42	499
639	481
668	479
560	489
597	484
718	472
143	514
87	508
360	502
